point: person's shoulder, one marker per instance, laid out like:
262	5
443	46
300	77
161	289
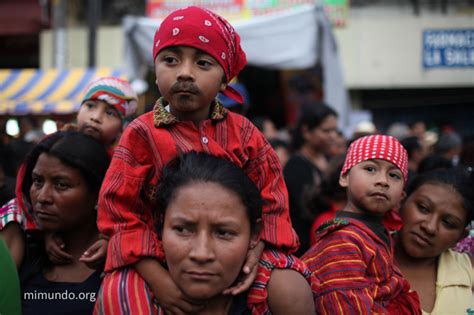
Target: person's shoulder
289	292
146	118
238	120
455	268
336	240
297	162
343	230
332	225
454	257
143	125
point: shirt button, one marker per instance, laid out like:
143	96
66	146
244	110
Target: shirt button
205	140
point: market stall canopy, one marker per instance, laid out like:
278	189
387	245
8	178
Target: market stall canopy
34	91
296	39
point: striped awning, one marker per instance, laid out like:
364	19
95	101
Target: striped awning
34	91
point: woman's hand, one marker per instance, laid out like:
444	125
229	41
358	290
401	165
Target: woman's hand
166	293
55	249
94	256
249	271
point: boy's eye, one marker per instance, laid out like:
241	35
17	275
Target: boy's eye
395	175
170	59
370	169
204	63
89	105
112	112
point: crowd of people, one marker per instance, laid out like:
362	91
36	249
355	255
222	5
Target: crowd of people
194	209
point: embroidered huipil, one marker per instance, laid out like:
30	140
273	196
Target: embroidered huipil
356	272
127	214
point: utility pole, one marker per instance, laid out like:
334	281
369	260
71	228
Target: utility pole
94	12
59	33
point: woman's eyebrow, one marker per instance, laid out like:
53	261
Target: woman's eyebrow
229	223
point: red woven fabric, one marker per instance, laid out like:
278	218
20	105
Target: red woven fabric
377	147
125	292
127	212
356	272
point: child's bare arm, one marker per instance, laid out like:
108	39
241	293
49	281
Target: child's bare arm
167	294
289	293
249	271
14	238
55	249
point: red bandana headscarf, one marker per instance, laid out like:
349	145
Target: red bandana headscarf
377	147
201	29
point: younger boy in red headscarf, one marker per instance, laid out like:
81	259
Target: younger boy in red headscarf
196	55
352	257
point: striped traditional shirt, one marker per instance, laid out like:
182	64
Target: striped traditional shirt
124	292
356	272
126	204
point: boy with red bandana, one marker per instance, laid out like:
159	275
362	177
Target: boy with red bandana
196	55
352	258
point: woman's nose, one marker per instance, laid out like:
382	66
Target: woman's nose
202	249
429	224
44	194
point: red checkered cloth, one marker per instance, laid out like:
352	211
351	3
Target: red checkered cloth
377	147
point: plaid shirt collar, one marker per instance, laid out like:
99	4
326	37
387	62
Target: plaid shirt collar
162	117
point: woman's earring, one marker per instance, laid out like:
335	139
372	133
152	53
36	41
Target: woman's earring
96	207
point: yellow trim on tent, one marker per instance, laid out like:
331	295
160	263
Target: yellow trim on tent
35	91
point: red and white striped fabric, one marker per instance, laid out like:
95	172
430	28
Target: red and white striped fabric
377	147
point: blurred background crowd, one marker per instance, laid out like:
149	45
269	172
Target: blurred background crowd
402	68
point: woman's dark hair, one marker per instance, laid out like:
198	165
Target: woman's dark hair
433	162
311	115
74	149
201	167
460	179
466	157
411	144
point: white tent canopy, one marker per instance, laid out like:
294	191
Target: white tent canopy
297	39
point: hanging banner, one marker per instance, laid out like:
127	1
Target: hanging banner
246	9
231	9
450	48
337	11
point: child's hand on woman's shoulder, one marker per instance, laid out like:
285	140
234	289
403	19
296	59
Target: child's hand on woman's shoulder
249	271
55	249
94	256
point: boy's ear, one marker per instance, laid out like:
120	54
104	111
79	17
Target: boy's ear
255	237
403	196
343	180
402	199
